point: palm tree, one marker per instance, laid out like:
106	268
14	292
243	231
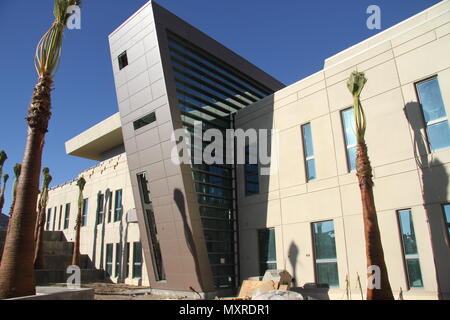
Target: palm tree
39	263
2	195
17	170
374	248
76	249
3	158
16	271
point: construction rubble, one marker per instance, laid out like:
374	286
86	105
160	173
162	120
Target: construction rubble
275	285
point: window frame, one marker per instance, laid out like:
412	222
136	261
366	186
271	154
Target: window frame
447	223
348	147
100	214
49	217
422	112
406	257
324	261
109	264
307	158
67	216
84	212
268	262
118	260
137	264
123	62
118	210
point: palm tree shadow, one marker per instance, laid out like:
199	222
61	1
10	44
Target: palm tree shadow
179	200
293	256
434	178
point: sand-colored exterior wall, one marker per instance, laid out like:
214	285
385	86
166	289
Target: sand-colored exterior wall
111	174
392	61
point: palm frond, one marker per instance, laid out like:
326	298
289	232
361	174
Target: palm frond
49	48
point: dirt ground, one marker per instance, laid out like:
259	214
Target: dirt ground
111	291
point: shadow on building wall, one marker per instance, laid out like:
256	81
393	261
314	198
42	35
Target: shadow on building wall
180	202
434	179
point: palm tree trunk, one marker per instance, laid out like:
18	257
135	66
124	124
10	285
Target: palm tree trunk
374	249
17	276
39	262
76	248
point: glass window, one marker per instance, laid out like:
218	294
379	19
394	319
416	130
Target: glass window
410	249
127	260
155	248
60	216
309	152
137	260
118	259
325	253
84	212
100	207
251	172
49	217
109	259
267	250
118	206
348	121
433	108
447	218
123	60
67	216
144	121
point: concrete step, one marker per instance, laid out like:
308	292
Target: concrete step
45	277
52	248
54	236
57	262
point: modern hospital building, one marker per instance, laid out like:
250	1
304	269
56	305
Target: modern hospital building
179	227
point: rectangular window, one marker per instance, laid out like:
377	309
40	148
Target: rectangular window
412	262
434	113
267	250
84	213
144	121
325	253
447	219
251	173
49	217
100	207
127	260
110	198
147	207
118	259
348	121
109	259
123	60
137	260
60	217
67	216
309	152
118	206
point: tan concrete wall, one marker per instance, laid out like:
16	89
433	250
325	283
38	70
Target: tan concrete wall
111	174
392	61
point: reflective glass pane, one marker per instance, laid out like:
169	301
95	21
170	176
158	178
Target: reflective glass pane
351	157
439	135
327	273
447	213
324	240
431	100
348	118
307	140
414	273
408	234
267	250
311	165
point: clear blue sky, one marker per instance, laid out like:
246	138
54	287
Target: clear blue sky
288	39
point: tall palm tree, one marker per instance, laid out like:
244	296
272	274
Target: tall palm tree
76	249
3	158
2	194
17	170
39	262
374	248
16	271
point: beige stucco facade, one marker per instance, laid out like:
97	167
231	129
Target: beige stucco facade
393	62
406	174
111	175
